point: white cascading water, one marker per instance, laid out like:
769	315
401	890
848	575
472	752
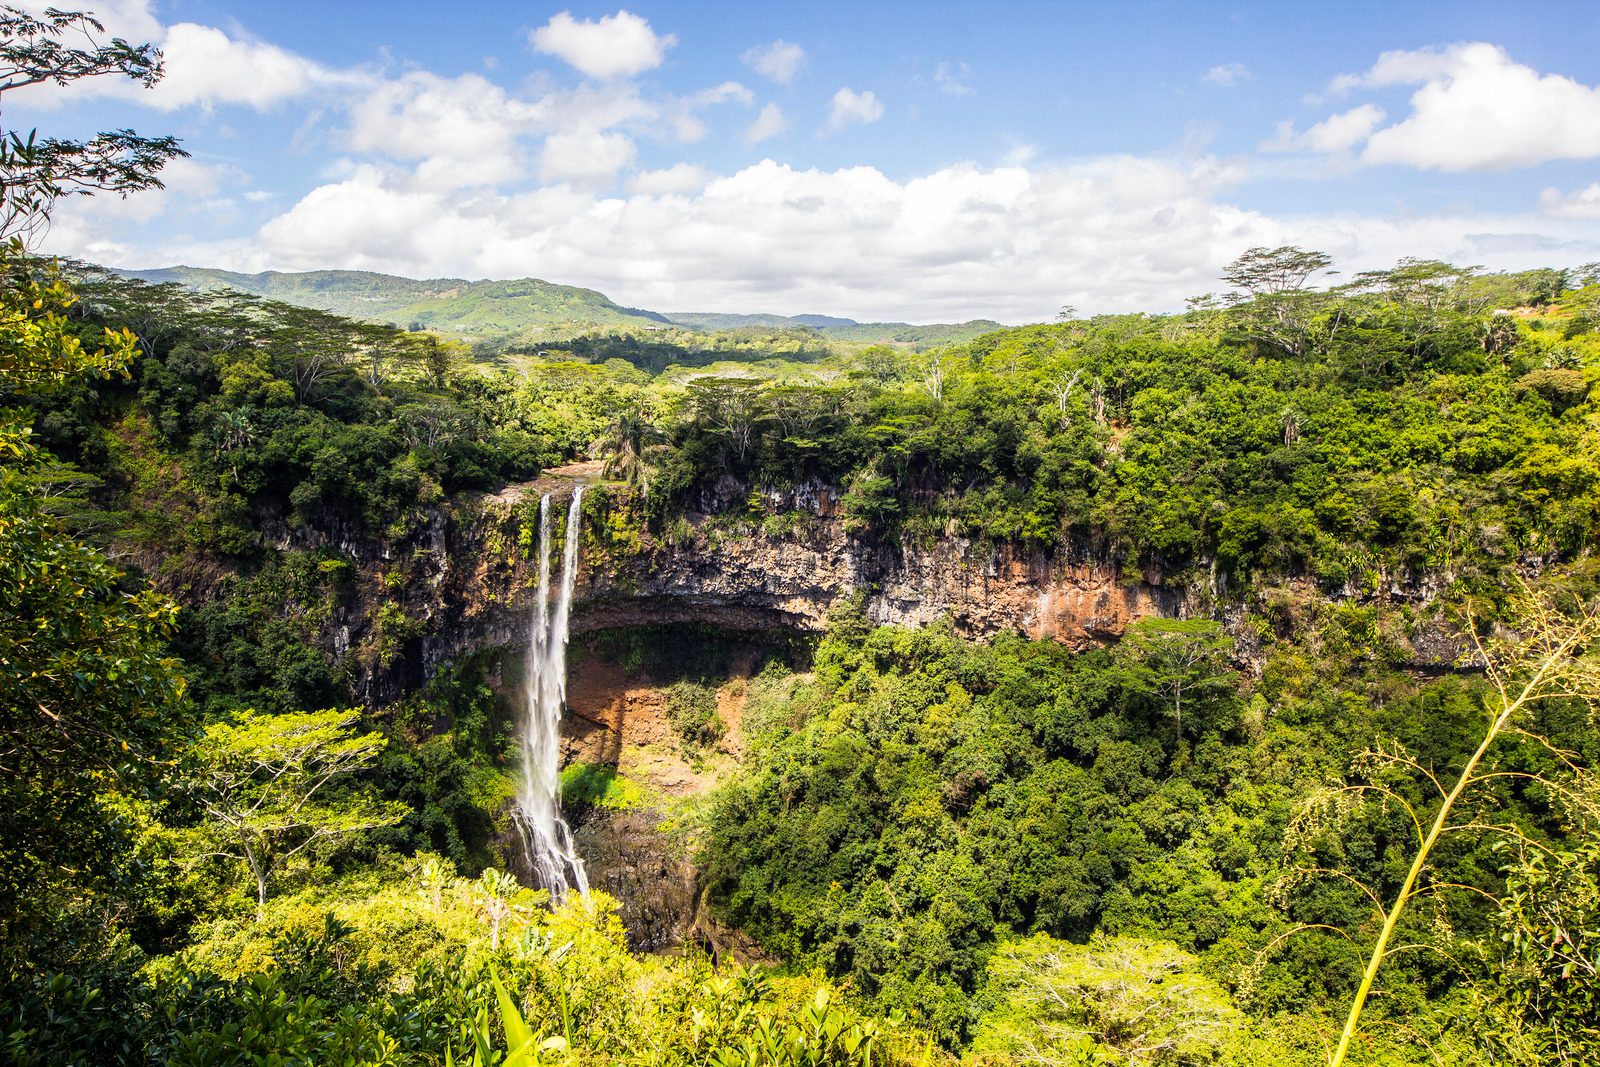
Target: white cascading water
554	861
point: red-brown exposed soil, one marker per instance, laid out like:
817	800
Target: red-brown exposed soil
620	719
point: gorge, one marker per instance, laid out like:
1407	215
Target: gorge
929	692
413	672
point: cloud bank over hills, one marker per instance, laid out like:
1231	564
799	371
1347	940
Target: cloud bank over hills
618	164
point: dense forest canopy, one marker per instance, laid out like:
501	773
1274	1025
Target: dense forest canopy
1421	420
1201	843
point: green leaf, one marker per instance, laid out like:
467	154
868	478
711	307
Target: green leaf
519	1038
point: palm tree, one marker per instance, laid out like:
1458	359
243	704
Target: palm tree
495	890
235	431
624	443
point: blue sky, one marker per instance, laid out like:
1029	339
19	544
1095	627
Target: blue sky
890	160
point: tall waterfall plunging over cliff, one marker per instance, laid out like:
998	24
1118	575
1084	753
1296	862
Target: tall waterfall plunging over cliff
554	861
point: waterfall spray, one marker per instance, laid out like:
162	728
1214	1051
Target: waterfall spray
555	862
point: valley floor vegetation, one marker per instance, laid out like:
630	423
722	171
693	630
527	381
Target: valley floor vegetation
1356	777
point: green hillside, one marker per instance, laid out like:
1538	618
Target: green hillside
525	310
475	310
925	335
846	330
717	320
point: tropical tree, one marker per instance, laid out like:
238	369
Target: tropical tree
1273	305
273	786
495	893
624	442
1116	1000
437	358
731	408
1176	662
1268	271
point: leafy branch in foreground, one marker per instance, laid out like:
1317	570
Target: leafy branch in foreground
40	353
1551	656
1548	981
36	172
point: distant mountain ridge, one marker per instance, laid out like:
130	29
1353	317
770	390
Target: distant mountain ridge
838	329
499	310
716	320
471	308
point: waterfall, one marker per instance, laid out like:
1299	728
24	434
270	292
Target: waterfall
554	861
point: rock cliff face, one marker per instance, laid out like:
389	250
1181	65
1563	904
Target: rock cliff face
470	581
638	852
465	582
795	579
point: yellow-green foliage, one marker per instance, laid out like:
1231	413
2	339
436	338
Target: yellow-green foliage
1135	1002
616	526
596	785
489	788
392	928
394	921
1124	1000
39	350
473	969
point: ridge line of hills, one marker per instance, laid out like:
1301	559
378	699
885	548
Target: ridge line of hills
490	310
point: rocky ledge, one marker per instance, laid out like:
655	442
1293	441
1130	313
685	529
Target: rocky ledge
476	579
465	581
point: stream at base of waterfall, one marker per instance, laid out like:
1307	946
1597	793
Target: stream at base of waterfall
553	860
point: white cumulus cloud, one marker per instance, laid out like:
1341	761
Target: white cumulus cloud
472	126
204	67
469	132
584	157
1475	108
959	242
1118	233
1335	134
769	123
1580	204
678	178
688	126
781	60
614	46
849	108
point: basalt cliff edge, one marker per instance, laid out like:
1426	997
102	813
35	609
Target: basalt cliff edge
463	582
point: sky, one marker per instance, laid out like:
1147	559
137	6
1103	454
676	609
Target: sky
884	161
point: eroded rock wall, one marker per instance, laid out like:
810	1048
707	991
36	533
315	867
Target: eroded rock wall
749	579
465	580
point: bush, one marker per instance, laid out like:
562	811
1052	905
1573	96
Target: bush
692	710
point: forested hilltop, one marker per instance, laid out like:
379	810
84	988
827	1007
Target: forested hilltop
1419	424
1262	832
494	316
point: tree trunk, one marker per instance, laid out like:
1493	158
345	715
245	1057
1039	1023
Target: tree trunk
261	880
